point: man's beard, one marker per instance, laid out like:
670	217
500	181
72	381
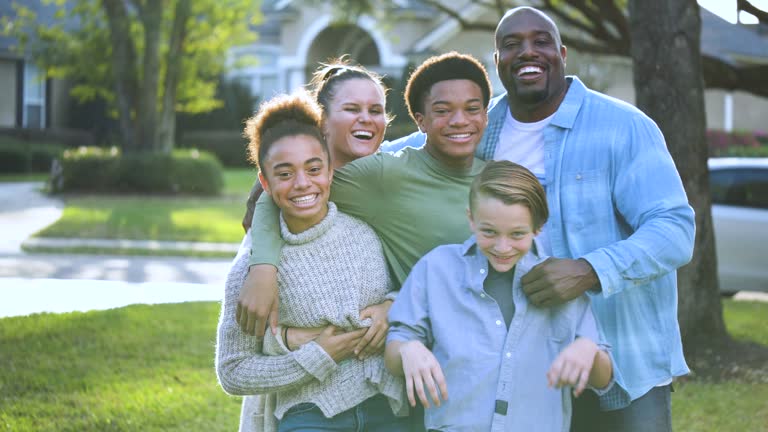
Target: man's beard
531	96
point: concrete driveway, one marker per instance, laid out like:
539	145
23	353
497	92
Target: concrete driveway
24	210
31	283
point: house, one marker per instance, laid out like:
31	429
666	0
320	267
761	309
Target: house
30	104
295	36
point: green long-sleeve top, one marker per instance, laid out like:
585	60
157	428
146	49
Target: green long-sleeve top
412	201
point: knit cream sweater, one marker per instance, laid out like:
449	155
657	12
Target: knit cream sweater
326	275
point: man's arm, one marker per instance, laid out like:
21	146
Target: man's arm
257	302
255	193
649	195
359	187
415	140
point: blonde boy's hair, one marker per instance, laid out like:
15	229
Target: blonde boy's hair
511	184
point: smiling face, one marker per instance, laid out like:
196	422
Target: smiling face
355	120
504	232
530	61
298	179
454	118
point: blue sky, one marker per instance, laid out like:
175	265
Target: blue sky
727	9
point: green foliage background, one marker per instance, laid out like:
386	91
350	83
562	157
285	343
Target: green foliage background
77	46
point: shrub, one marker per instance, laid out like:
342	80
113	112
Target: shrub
745	144
26	157
93	169
228	146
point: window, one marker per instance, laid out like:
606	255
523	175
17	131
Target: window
33	115
257	68
744	187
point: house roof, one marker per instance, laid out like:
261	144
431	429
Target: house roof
731	43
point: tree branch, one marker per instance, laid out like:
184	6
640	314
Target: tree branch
746	6
466	25
589	27
751	79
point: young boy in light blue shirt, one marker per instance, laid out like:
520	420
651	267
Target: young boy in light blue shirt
462	324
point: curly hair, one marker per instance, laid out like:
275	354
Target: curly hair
279	117
448	66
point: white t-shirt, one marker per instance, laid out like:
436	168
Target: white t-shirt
523	143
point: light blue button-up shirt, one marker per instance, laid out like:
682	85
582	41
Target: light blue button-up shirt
615	199
496	377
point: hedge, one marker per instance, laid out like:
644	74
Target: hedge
95	169
26	157
744	144
229	146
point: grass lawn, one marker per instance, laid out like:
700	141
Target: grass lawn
158	217
33	177
139	368
150	368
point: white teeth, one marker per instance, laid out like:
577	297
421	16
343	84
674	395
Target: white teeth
362	134
459	136
529	69
304	199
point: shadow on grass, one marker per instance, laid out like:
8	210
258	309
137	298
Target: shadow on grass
730	360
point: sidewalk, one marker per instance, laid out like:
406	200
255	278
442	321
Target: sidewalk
28	296
23	212
31	283
153	245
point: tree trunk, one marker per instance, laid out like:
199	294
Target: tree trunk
151	15
669	88
167	128
124	69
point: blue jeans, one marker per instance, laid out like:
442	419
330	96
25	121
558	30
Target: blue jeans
372	415
651	412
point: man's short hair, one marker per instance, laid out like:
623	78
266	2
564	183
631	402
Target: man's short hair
448	66
511	184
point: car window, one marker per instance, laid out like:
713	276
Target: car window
745	187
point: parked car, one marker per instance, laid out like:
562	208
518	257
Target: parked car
739	188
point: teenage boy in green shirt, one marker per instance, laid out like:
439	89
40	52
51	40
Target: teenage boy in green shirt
414	200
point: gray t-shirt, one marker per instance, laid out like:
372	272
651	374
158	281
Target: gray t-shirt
499	287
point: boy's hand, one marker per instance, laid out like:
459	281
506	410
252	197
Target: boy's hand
298	336
556	281
573	365
338	344
258	301
373	341
421	368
